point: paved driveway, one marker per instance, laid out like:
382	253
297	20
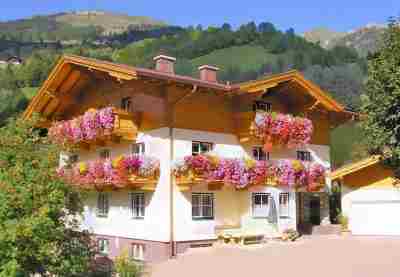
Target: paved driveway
327	256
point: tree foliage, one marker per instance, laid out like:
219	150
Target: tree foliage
381	101
39	214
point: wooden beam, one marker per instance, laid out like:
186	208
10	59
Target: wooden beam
51	106
262	88
60	78
69	82
121	76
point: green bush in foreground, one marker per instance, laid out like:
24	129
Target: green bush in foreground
38	212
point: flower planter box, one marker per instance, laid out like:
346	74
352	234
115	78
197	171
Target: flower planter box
95	127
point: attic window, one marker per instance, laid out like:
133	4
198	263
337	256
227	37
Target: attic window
126	104
261	106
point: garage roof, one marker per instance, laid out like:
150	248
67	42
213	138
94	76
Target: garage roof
356	166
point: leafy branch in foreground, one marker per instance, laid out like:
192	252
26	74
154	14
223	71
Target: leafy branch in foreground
39	213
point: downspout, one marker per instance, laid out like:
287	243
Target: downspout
171	121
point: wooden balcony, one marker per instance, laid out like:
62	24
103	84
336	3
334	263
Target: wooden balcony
243	122
124	128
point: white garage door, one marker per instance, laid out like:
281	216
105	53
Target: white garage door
379	217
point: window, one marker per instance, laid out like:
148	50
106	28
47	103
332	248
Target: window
138	148
73	158
103	246
259	154
284	204
105	153
260	204
304	156
137	251
203	206
199	147
261	106
137	205
102	204
126	104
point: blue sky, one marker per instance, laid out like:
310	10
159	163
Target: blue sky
341	15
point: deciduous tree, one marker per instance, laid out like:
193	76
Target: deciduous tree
39	214
381	101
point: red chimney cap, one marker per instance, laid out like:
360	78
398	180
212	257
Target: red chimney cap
164	57
209	67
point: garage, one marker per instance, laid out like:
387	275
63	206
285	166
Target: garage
375	217
370	197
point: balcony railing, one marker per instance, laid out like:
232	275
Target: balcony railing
130	171
95	126
245	173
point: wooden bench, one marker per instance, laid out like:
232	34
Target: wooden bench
240	235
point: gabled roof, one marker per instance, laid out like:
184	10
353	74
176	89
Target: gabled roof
315	91
354	167
126	72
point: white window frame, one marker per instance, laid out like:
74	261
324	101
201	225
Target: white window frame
137	205
201	206
209	146
262	106
284	208
103	246
256	211
304	156
138	148
257	153
137	251
103	204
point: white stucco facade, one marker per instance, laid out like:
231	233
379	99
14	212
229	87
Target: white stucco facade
156	223
231	207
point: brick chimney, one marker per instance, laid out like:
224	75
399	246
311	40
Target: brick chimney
208	73
165	63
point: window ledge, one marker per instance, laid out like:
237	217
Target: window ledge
203	218
102	215
137	217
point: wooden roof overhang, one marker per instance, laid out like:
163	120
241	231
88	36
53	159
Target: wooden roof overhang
354	167
73	73
298	91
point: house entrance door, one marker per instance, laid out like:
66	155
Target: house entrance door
315	210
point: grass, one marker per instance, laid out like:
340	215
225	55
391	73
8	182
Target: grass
111	22
344	140
29	92
247	58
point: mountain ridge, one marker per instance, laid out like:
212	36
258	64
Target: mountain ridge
364	40
102	22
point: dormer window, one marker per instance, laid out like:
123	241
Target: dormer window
126	104
261	106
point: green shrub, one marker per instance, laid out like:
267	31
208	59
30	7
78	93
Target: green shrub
126	267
